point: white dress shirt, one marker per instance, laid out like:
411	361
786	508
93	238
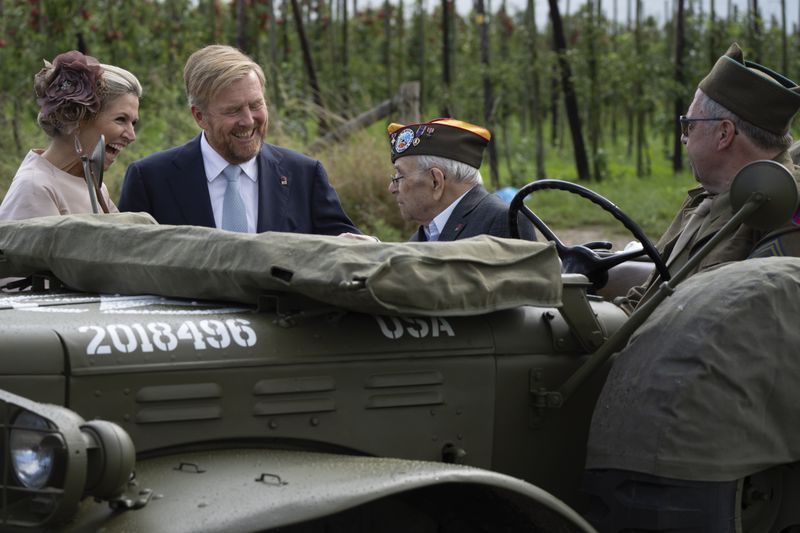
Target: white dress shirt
248	184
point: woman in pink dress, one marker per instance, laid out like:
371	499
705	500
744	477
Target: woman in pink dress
79	100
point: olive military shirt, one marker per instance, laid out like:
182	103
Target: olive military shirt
743	243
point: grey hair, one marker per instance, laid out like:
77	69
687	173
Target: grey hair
761	137
118	82
452	169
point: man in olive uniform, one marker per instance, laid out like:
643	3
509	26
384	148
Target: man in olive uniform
741	113
438	182
691	404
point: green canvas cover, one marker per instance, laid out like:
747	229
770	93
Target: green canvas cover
707	389
129	253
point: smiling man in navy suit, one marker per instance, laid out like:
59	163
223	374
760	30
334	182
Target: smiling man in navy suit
227	177
438	182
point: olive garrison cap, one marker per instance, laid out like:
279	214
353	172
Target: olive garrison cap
753	92
443	137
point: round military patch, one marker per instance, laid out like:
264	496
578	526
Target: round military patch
404	140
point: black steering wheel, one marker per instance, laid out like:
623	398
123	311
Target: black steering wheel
583	259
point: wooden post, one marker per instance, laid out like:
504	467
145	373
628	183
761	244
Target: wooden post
408	103
405	104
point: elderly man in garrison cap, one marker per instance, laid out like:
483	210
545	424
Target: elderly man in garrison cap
438	184
741	113
700	397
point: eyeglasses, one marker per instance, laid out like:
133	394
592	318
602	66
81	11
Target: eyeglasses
395	179
686	121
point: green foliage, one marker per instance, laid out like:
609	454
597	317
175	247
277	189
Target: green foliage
363	182
620	71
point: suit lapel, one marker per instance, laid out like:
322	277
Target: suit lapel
460	215
273	191
419	235
189	185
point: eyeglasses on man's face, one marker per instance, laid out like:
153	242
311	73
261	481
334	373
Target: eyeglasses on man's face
687	121
395	178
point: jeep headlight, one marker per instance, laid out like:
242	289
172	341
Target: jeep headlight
32	449
52	458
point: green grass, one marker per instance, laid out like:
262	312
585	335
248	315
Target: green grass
651	201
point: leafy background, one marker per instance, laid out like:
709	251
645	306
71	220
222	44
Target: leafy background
623	74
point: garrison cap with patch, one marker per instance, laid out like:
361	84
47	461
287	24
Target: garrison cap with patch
753	92
443	137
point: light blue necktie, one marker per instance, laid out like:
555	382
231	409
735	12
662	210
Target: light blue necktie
432	232
234	217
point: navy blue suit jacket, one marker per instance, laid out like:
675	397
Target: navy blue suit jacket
479	213
294	193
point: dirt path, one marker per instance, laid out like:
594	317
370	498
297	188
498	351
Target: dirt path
586	234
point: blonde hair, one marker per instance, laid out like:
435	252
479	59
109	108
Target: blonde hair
118	81
213	68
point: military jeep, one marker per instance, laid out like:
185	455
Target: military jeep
158	378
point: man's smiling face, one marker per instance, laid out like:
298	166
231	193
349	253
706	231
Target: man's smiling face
236	119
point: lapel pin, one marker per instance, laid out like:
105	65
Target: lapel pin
284	181
458	228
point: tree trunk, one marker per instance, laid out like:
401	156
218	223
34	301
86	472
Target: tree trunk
503	23
784	44
755	19
272	40
570	100
680	37
344	86
241	26
446	57
82	46
110	29
594	95
630	16
534	92
554	94
388	60
400	21
488	97
419	37
640	118
216	21
316	94
285	31
712	35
